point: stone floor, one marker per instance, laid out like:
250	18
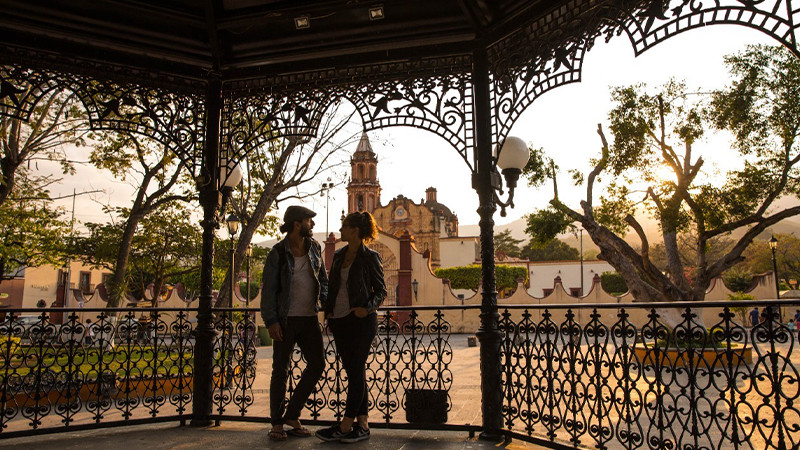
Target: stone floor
240	435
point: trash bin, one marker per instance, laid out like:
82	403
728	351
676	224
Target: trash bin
426	406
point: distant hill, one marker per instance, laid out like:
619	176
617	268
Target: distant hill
518	226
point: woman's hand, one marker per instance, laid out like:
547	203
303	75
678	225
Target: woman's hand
360	312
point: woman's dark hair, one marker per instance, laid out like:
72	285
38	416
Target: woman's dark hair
367	229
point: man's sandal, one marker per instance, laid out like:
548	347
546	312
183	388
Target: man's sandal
277	435
301	432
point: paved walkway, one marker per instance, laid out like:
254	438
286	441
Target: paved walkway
239	435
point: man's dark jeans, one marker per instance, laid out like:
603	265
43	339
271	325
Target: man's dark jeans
306	333
353	337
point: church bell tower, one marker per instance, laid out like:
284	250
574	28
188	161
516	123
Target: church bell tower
363	191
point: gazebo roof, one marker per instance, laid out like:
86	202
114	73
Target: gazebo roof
254	38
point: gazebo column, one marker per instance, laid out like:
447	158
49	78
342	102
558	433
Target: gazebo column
210	201
488	334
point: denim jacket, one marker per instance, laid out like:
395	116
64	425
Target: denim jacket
365	284
277	281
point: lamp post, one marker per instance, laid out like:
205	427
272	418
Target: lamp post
511	158
581	242
773	245
415	287
326	192
232	222
248	253
210	187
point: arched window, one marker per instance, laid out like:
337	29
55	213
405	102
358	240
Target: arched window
372	172
360	202
360	171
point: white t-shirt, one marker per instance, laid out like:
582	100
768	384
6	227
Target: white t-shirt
303	288
342	306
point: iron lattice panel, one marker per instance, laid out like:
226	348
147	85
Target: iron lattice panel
616	385
440	104
174	120
234	370
407	353
52	376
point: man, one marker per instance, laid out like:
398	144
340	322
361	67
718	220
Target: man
295	286
754	316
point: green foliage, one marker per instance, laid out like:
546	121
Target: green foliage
539	168
741	311
613	283
758	259
32	233
737	280
544	225
469	277
553	250
166	248
505	243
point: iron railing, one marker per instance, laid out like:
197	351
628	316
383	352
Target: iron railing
593	375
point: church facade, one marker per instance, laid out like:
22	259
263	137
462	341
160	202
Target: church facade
428	221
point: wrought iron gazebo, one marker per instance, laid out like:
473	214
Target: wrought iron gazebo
213	80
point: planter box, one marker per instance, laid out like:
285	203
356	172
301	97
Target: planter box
679	357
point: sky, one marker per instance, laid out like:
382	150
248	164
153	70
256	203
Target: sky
562	121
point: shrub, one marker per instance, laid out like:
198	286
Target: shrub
613	283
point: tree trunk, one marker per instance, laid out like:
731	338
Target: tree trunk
118	286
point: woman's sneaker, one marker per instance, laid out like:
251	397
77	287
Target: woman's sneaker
329	434
355	435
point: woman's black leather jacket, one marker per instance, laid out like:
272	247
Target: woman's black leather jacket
365	285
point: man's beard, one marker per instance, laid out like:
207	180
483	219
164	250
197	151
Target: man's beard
305	231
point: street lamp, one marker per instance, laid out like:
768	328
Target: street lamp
326	192
511	159
232	177
581	241
415	287
773	245
232	222
248	253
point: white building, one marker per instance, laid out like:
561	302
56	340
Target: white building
543	273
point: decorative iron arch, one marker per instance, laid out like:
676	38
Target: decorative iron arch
175	120
519	79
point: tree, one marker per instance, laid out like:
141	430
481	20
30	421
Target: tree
469	277
158	179
31	232
57	120
165	248
659	130
506	244
276	172
787	257
552	250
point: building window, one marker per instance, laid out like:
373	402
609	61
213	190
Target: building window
84	282
575	292
360	203
547	291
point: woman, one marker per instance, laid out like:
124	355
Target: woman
357	289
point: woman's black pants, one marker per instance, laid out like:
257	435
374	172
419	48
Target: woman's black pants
353	337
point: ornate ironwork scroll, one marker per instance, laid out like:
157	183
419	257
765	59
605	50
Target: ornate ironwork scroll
93	367
548	52
407	354
635	384
175	120
393	94
235	361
